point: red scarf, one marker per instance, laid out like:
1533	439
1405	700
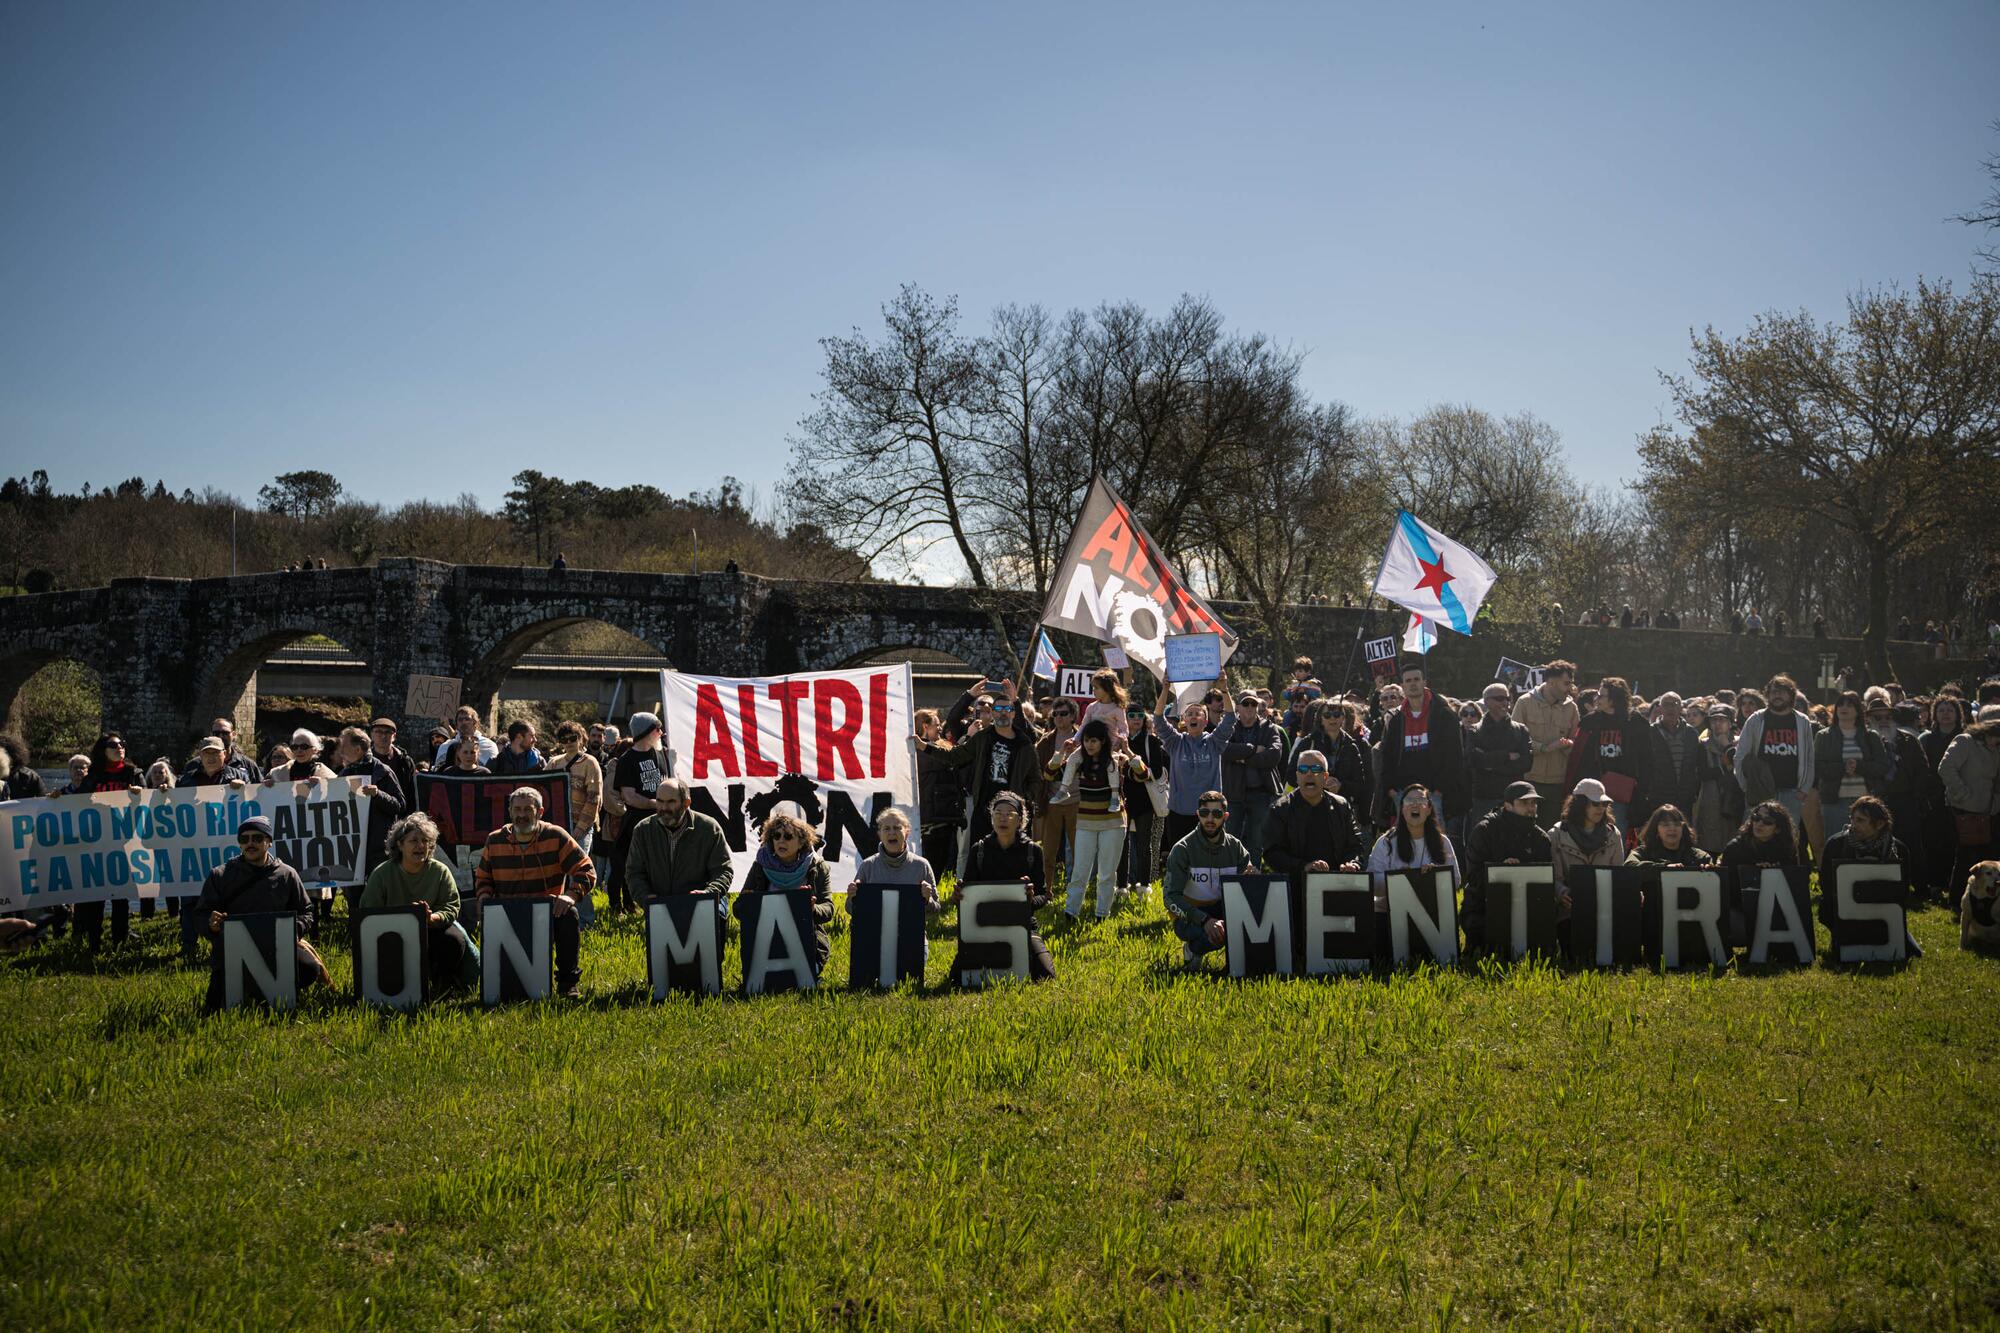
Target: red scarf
1416	729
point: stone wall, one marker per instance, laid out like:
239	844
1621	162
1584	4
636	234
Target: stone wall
174	653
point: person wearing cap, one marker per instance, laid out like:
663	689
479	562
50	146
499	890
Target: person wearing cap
467	722
1507	836
1499	752
255	881
1586	835
1970	772
528	857
382	745
997	757
1718	810
211	767
1250	761
1196	866
225	729
636	780
387	802
1312	829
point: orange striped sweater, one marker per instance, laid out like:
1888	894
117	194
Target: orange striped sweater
535	868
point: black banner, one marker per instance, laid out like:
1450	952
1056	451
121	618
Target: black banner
467	808
1685	911
1864	913
1775	906
1337	919
1423	916
1520	912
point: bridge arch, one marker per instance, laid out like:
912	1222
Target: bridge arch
502	655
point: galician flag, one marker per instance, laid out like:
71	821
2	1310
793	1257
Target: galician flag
1431	576
1421	636
1046	662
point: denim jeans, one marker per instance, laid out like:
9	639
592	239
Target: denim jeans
1249	819
1193	931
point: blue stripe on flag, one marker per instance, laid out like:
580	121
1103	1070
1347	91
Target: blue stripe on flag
1420	542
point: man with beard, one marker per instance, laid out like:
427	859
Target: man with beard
677	849
1774	753
250	883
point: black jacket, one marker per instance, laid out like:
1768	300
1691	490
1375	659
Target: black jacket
1438	765
940	789
1498	838
1830	764
384	808
1488	753
1024	770
1300	833
237	888
1346	759
405	769
1608	744
1678	788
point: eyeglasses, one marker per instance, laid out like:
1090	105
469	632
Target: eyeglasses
1312	768
1003	708
1219	811
247	839
114	745
784	837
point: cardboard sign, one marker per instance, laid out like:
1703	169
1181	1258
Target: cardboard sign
1686	912
885	935
777	941
1257	925
1864	913
468	807
1337	910
1423	917
1520	912
684	944
1516	676
260	962
1193	657
1074	682
517	958
1607	915
1776	907
993	925
392	956
1114	657
1381	657
432	696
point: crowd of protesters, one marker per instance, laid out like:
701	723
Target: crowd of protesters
1109	796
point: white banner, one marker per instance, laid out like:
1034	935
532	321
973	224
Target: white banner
835	743
162	844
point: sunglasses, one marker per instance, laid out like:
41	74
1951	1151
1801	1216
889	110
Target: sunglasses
1312	768
1220	812
1764	819
1003	708
246	839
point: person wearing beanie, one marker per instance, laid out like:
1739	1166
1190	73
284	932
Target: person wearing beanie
255	881
637	782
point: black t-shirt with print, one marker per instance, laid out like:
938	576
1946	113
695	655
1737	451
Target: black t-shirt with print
1780	749
640	770
1000	762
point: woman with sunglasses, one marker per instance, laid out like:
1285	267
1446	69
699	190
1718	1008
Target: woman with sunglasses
788	859
1768	838
1006	856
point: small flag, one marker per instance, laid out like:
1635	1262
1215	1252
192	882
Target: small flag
1046	661
1432	576
1421	636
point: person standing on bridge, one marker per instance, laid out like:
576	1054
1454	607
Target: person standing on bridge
466	719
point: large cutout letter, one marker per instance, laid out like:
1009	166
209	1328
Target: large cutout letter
992	933
515	962
1265	923
684	944
389	963
1529	925
766	968
260	960
1340	923
885	925
1867	921
1691	899
1778	894
1423	899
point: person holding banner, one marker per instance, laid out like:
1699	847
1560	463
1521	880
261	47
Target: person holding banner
1194	755
382	745
1417	842
109	771
386	799
528	857
788	859
1195	869
1006	856
1668	841
1100	770
1509	836
413	876
252	882
675	849
894	863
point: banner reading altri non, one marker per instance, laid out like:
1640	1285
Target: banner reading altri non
834	743
154	844
1114	585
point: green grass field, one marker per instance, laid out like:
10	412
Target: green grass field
1125	1146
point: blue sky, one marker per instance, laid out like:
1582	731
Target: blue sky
425	246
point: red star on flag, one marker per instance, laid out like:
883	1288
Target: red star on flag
1435	576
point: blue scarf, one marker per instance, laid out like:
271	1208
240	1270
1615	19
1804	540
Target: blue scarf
781	876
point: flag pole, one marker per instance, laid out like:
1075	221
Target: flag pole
1361	628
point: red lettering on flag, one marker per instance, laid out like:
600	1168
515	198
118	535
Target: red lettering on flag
1114	535
789	693
711	734
755	765
831	742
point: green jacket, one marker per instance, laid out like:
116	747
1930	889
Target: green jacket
1196	852
435	884
656	865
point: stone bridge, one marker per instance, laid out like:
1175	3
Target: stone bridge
172	654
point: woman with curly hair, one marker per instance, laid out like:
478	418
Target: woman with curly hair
788	859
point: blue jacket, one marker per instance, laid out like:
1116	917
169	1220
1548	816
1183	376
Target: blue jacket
1196	764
